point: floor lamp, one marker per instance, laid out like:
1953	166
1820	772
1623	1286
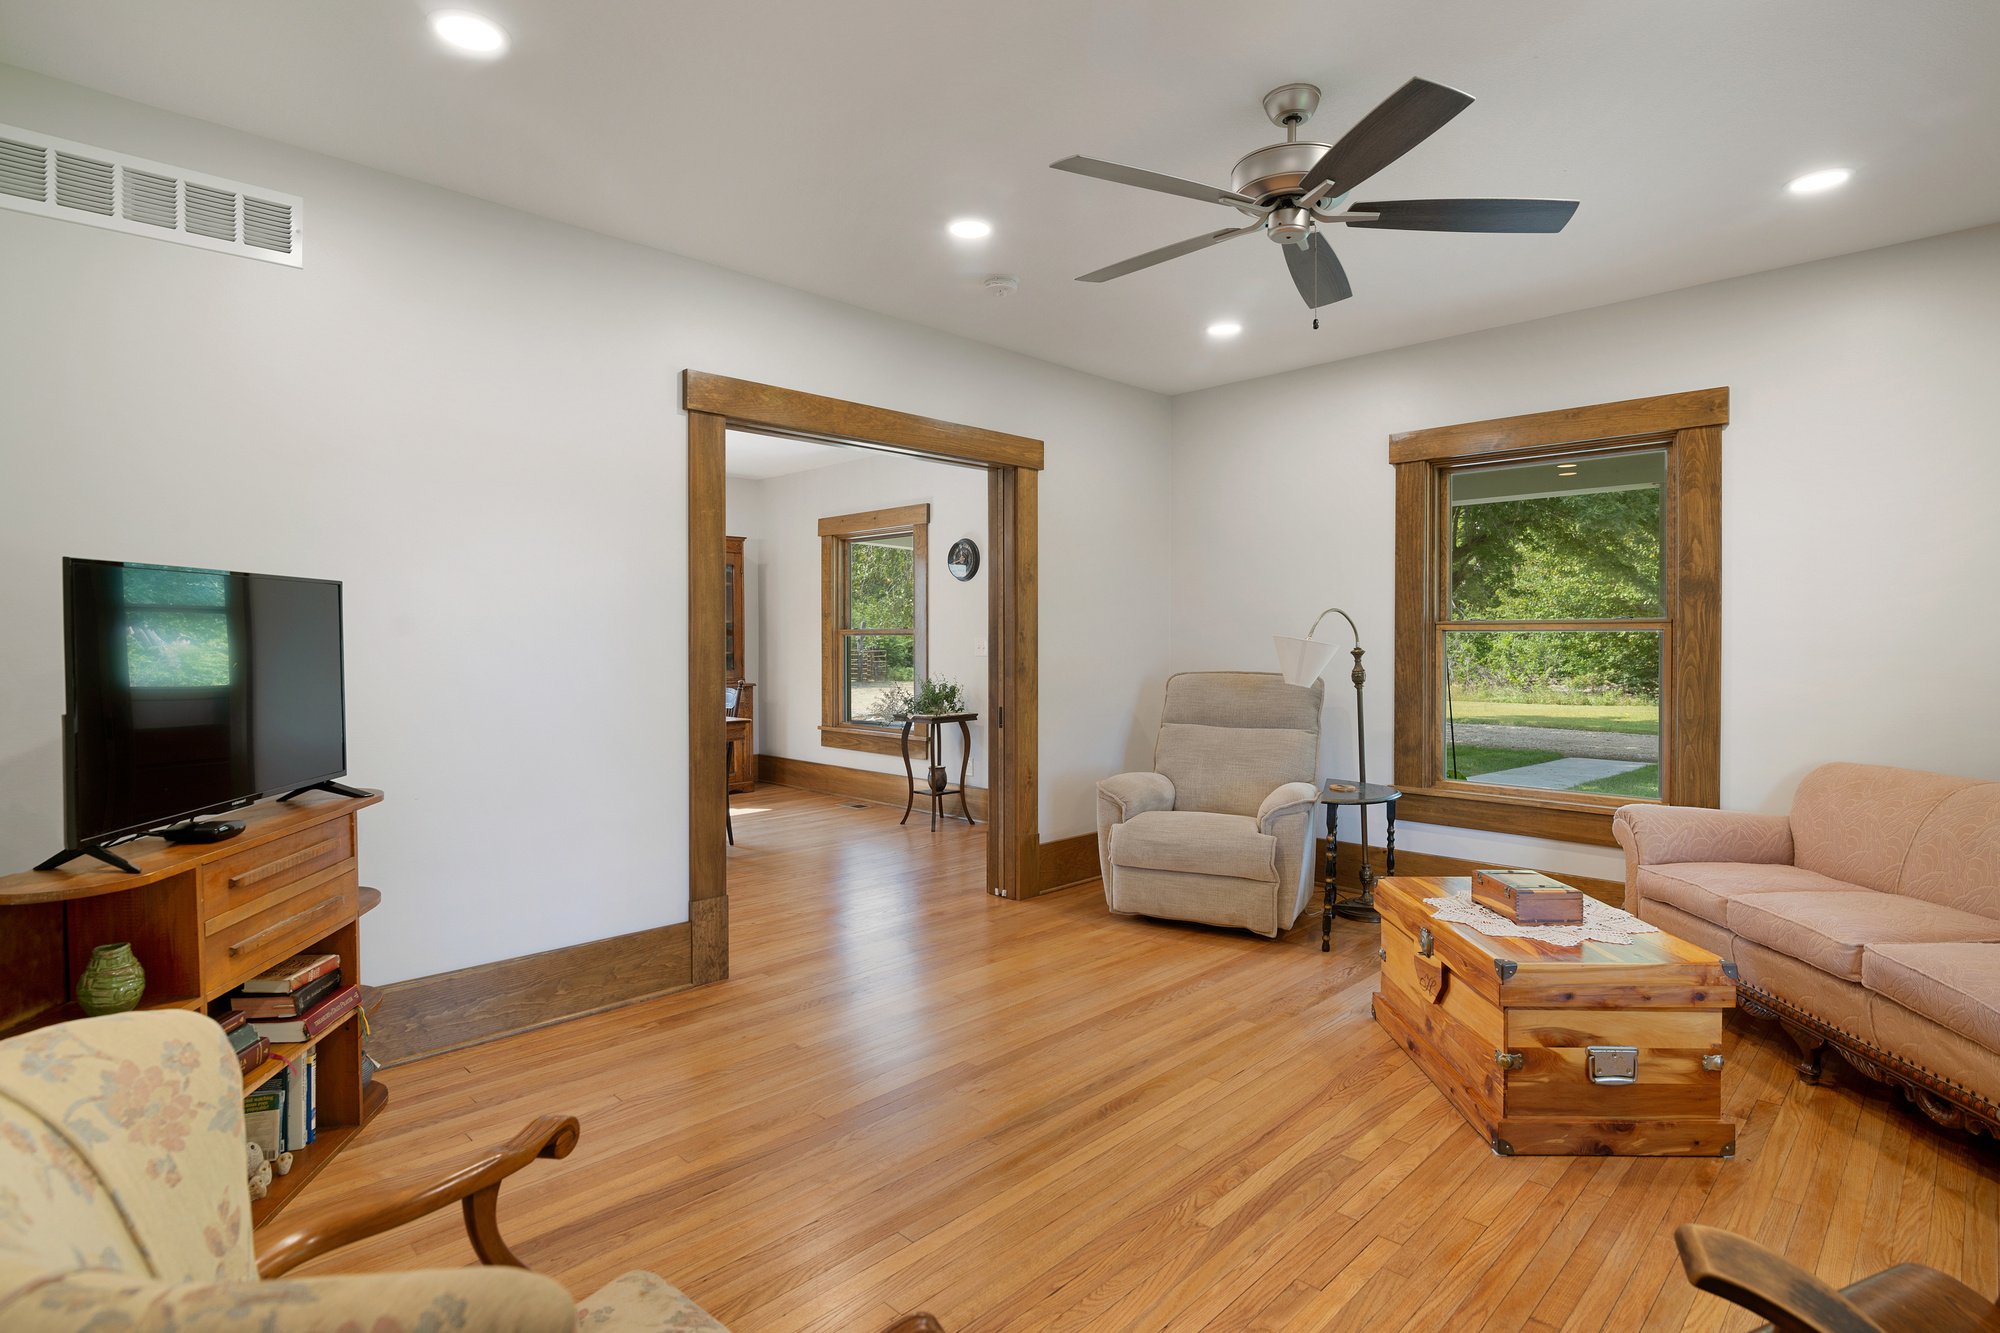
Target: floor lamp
1302	661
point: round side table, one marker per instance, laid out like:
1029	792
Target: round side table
1337	795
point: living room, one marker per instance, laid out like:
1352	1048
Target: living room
485	377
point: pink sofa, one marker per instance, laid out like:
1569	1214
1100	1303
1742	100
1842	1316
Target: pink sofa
1867	920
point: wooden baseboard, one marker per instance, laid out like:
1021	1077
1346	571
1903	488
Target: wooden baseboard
1066	861
430	1015
1074	860
1426	863
857	783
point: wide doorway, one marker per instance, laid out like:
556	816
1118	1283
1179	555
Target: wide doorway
862	627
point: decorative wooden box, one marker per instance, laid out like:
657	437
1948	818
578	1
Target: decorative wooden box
1528	896
1558	1049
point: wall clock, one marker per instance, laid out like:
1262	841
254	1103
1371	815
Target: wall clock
963	559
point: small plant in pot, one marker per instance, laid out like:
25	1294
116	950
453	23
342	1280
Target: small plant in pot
940	694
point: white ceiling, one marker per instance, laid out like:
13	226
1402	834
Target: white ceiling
825	145
760	457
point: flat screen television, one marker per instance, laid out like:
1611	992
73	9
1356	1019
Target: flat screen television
192	691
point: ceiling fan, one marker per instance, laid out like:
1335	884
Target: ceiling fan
1291	191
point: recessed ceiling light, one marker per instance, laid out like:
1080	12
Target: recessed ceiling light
1224	328
1814	182
970	229
469	34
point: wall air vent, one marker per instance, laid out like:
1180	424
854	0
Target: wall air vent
97	187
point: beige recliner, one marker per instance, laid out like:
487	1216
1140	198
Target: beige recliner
1221	830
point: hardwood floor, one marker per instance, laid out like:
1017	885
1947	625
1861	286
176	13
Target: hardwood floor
1028	1115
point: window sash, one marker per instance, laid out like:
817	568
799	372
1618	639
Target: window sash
839	537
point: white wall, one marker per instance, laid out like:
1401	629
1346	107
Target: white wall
1860	472
470	415
778	518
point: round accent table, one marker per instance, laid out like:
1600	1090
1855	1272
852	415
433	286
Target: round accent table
1337	795
936	784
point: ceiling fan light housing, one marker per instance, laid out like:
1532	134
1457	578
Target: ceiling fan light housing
1290	226
1274	172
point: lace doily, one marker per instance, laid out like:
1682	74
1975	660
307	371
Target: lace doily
1602	923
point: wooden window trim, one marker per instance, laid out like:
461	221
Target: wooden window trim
1689	426
835	730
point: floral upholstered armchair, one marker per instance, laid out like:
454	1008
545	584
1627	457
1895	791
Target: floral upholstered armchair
124	1207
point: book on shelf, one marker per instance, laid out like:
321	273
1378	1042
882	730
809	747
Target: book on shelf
250	1057
233	1020
264	1118
314	1020
250	1045
291	1005
297	1081
291	974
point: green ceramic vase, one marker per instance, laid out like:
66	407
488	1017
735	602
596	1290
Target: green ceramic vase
112	981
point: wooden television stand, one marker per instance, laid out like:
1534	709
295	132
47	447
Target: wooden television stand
202	918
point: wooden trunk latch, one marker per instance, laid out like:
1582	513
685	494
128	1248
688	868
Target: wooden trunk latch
1612	1064
1509	1059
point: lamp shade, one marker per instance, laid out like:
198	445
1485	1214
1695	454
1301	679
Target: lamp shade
1302	660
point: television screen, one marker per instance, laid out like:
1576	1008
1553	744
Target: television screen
193	690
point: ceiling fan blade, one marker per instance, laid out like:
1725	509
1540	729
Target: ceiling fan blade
1151	180
1412	114
1521	215
1166	252
1317	273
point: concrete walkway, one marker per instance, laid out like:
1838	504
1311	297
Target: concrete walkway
1641	749
1556	774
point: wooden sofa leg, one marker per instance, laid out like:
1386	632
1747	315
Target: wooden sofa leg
1812	1051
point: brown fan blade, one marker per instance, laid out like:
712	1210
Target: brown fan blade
1519	215
1150	180
1412	114
1166	252
1317	273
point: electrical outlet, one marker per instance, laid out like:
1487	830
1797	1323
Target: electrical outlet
981	648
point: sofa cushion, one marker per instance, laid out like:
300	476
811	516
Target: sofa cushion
1830	930
1845	1005
1857	822
1954	985
1955	860
1195	842
1704	888
1972	1065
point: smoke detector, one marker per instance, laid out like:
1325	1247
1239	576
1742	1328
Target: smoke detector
1003	284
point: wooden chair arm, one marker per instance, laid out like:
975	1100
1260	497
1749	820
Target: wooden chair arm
475	1186
1744	1273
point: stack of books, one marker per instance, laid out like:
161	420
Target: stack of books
298	999
293	1002
283	1115
252	1047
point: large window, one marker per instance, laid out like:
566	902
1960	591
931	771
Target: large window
1558	587
873	584
1554	625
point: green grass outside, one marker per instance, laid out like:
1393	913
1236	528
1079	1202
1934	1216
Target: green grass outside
1639	782
1474	760
1632	719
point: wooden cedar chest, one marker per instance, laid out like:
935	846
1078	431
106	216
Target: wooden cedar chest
1505	1029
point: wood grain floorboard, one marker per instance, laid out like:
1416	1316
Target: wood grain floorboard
910	1095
